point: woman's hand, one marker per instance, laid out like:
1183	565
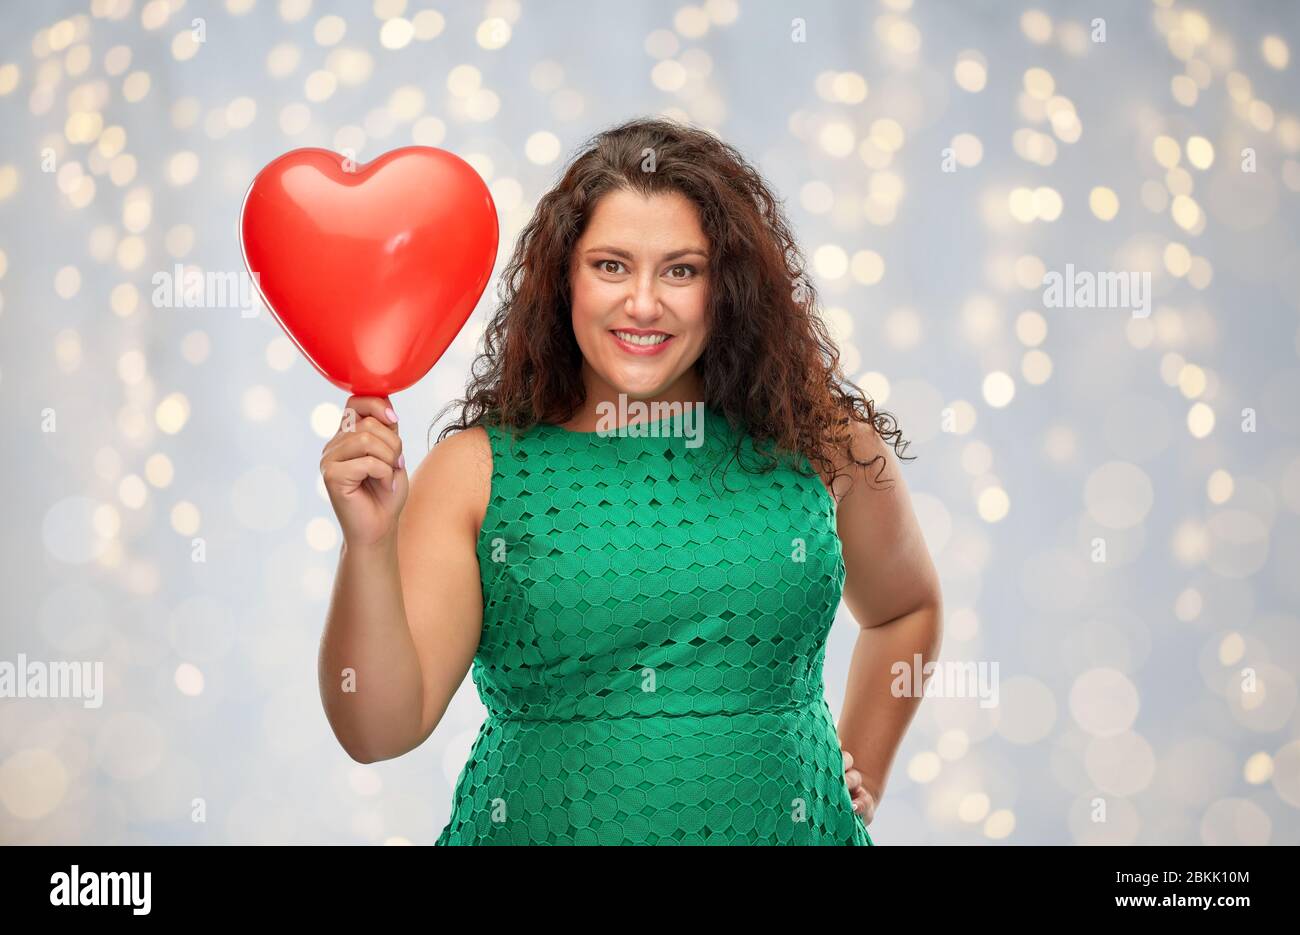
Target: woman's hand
864	803
365	471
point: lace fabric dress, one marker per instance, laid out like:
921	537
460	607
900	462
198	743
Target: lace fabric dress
654	628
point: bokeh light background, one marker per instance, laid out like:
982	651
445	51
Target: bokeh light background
1156	688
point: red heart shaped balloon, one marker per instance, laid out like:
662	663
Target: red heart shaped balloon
372	270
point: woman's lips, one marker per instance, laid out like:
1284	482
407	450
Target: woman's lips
642	350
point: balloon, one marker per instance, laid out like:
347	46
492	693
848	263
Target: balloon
372	270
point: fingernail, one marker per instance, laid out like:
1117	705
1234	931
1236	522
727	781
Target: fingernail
392	416
401	460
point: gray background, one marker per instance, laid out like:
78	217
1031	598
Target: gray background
1123	715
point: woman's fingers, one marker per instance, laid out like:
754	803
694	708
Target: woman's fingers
354	471
378	407
381	431
864	804
359	444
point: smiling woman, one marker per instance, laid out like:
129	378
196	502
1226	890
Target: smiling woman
645	615
639	309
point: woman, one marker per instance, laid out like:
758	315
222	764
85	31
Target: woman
644	598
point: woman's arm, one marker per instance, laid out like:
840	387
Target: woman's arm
406	614
892	589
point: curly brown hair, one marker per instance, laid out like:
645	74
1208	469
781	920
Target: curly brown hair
770	365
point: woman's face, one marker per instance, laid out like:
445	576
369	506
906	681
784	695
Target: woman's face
639	290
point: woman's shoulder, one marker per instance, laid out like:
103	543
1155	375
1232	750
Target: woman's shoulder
458	469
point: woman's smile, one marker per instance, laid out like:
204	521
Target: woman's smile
640	342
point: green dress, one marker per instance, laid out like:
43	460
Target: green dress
652	646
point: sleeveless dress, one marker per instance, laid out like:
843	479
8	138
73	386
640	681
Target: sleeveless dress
654	627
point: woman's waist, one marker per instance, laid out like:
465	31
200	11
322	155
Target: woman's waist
677	706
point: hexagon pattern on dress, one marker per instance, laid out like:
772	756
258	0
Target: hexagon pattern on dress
654	627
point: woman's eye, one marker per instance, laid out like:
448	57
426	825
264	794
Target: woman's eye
604	267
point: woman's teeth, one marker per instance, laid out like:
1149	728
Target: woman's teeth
642	339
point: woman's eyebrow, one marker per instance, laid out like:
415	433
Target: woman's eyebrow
685	251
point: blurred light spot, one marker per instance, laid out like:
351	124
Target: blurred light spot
1031	328
1191	381
124	299
319	86
428	24
1000	825
968	149
67	282
1036	367
322	534
172	413
179	241
837	139
1186	214
1275	52
1200	420
1258	769
185	518
1235	823
132	492
830	261
1103	202
887	134
902	328
867	267
189	680
282	60
9	75
396	33
973	807
848	87
924	767
993	504
184	45
158	470
542	148
1188	605
971	71
1036	26
875	385
492	33
1166	151
131	366
1178	259
1039	83
1219	487
1200	152
998	389
33	784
